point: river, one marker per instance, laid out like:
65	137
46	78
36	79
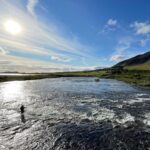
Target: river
74	114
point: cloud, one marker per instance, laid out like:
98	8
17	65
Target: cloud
61	59
117	58
123	44
37	36
111	25
3	51
21	64
37	40
88	68
112	22
31	6
121	50
141	28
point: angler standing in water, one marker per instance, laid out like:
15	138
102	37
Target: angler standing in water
22	109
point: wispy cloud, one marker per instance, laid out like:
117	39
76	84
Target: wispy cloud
61	59
111	25
127	47
21	64
37	38
31	6
3	51
117	58
121	49
123	44
37	34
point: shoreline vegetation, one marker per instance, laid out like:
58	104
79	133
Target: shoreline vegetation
136	77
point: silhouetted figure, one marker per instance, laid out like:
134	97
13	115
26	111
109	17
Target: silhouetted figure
22	108
23	118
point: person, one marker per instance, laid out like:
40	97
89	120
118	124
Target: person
22	108
23	118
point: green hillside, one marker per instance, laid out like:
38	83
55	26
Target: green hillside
144	66
139	62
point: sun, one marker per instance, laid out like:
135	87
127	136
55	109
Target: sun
12	27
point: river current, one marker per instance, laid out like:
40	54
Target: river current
74	114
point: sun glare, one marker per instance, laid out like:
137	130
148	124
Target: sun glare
12	27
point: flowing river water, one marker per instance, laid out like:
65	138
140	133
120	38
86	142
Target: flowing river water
74	114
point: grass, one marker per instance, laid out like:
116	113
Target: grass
134	77
98	73
144	67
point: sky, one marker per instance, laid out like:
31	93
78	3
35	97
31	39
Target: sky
68	35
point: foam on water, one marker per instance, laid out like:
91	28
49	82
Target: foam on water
125	118
119	105
102	114
147	119
89	101
139	98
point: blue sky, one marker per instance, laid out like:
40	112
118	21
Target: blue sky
65	35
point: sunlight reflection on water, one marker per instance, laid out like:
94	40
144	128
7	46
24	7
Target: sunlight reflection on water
12	90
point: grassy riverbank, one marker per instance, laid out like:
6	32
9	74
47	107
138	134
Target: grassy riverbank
132	76
137	77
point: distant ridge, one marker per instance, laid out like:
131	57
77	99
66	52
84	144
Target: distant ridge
139	62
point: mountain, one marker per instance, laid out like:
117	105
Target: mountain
139	62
